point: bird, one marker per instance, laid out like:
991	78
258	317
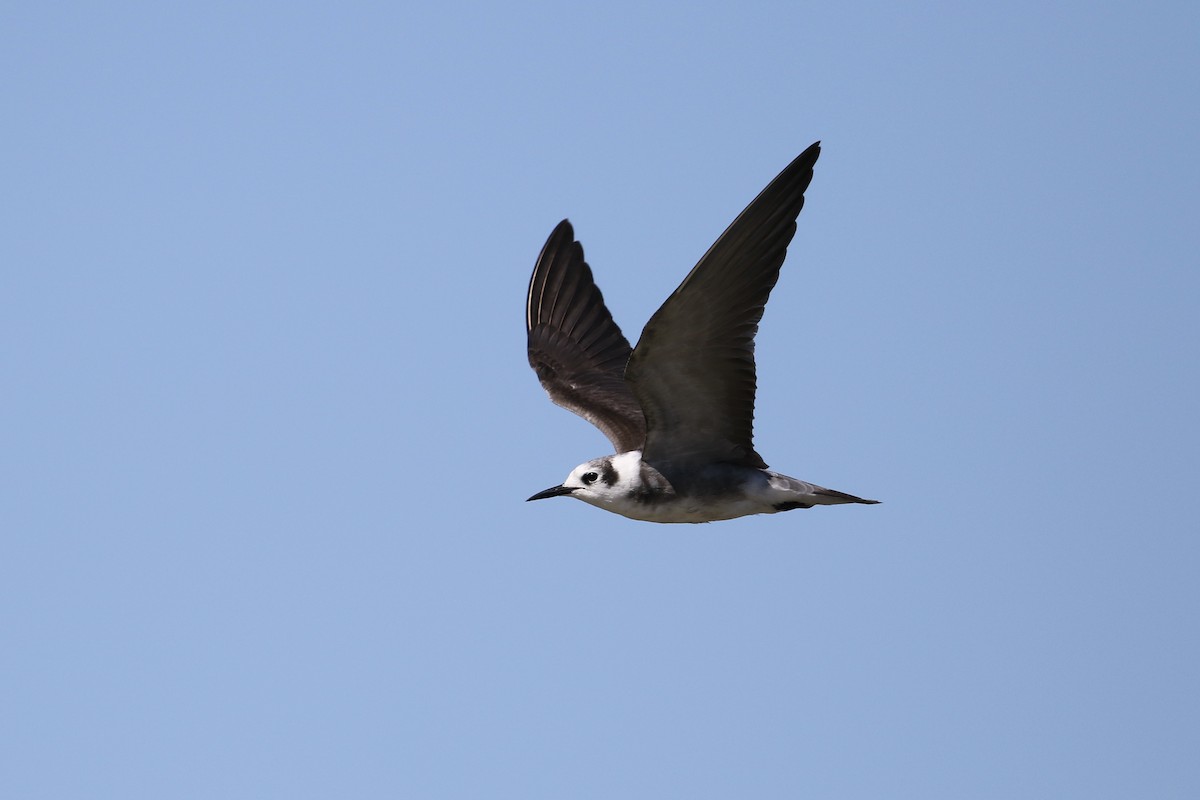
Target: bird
679	407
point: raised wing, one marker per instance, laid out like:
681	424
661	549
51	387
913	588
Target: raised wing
577	351
693	369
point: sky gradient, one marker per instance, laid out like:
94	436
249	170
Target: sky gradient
268	425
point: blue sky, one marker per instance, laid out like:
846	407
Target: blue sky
268	425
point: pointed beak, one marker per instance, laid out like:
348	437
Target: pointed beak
553	491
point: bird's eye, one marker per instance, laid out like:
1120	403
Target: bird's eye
589	478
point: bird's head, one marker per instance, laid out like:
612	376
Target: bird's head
601	481
589	482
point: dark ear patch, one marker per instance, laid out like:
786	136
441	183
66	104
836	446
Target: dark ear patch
791	504
608	475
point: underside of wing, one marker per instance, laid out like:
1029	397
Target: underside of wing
577	351
693	369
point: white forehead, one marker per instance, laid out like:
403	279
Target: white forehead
625	465
595	465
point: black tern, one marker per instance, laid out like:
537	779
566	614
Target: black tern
679	407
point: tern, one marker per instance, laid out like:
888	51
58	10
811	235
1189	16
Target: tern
679	407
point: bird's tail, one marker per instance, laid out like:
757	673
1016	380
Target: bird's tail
794	493
832	497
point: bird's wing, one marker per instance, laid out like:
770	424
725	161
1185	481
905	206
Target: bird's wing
576	349
693	369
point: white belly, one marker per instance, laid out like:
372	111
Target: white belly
683	509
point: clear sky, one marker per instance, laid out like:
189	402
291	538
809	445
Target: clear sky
267	424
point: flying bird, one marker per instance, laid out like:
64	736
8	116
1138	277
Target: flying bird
679	407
